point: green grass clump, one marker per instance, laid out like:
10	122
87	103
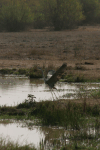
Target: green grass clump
7	71
28	103
67	115
14	71
9	110
74	78
78	78
7	145
96	94
22	71
34	72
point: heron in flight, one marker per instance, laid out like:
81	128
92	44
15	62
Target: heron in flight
53	77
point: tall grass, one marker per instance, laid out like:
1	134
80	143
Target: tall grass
7	145
59	113
96	94
67	114
78	118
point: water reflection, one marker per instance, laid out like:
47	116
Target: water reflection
14	132
14	90
43	136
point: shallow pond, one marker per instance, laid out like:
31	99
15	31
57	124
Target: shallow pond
21	133
14	90
24	133
18	133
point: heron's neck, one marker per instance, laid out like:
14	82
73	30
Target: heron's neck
43	75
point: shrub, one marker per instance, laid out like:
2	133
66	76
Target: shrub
34	72
22	71
15	16
39	21
91	10
63	14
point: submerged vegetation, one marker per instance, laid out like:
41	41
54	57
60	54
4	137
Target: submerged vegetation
12	146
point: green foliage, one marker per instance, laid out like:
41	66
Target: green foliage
63	14
32	72
69	78
35	72
8	145
22	71
74	78
60	14
4	110
67	115
91	10
52	114
39	21
28	103
96	94
15	16
7	71
14	71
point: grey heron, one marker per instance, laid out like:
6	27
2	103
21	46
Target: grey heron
53	76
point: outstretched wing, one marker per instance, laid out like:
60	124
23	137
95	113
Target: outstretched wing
50	74
57	75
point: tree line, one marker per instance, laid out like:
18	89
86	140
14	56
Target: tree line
17	15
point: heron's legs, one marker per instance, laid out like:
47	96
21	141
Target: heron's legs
57	92
54	94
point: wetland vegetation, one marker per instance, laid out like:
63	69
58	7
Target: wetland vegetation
41	43
34	72
81	119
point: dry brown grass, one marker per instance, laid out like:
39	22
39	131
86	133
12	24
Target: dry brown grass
75	47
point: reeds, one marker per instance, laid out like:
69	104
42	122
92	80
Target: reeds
67	114
7	145
78	118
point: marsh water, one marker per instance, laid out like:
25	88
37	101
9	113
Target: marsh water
42	137
14	90
21	133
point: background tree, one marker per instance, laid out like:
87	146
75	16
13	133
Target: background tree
15	15
91	10
62	14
